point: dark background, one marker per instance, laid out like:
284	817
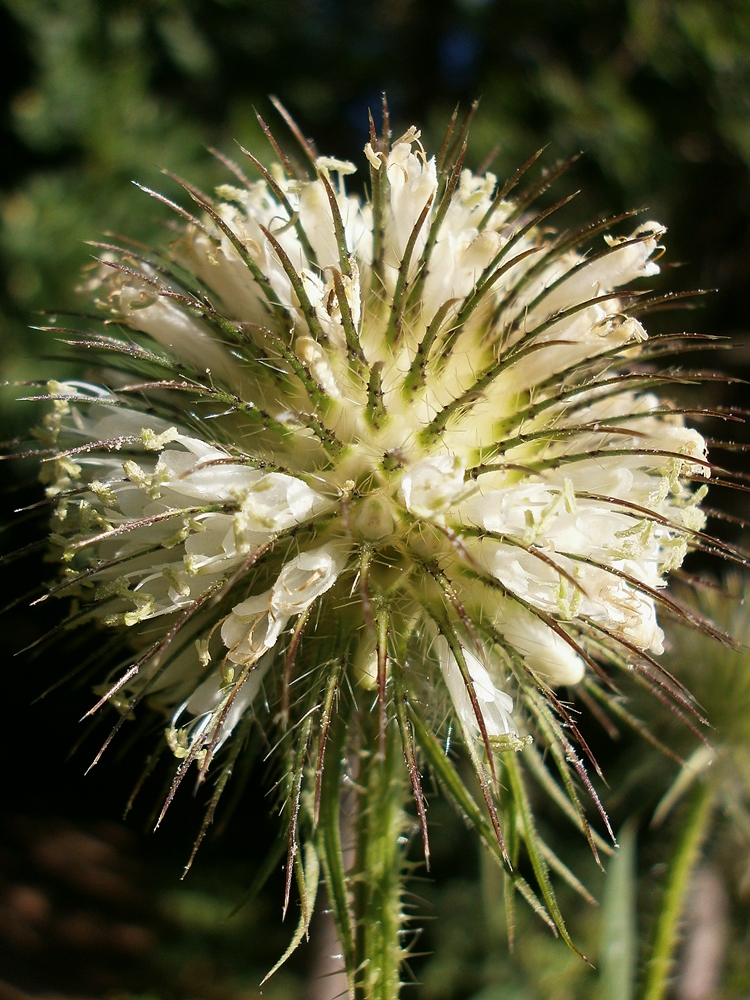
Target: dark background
96	93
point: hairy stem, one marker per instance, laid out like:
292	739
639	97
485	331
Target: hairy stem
379	887
678	883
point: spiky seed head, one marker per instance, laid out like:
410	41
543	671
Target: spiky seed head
406	442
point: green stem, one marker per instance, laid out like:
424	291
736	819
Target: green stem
678	883
379	888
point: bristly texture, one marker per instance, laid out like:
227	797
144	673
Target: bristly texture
379	468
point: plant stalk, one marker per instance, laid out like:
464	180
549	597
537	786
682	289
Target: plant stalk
381	864
678	882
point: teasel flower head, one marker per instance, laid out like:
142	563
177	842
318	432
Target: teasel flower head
364	472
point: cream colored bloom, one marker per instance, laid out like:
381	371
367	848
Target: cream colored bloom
374	435
254	626
496	706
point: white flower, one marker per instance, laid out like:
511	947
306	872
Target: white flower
372	432
370	470
254	625
494	705
542	649
432	485
216	707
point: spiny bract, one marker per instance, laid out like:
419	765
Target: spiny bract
377	449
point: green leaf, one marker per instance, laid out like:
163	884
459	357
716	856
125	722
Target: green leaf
691	770
563	754
534	762
522	886
533	847
454	785
329	844
618	935
311	879
559	866
684	860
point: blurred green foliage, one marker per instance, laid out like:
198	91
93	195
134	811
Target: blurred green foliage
655	92
101	92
